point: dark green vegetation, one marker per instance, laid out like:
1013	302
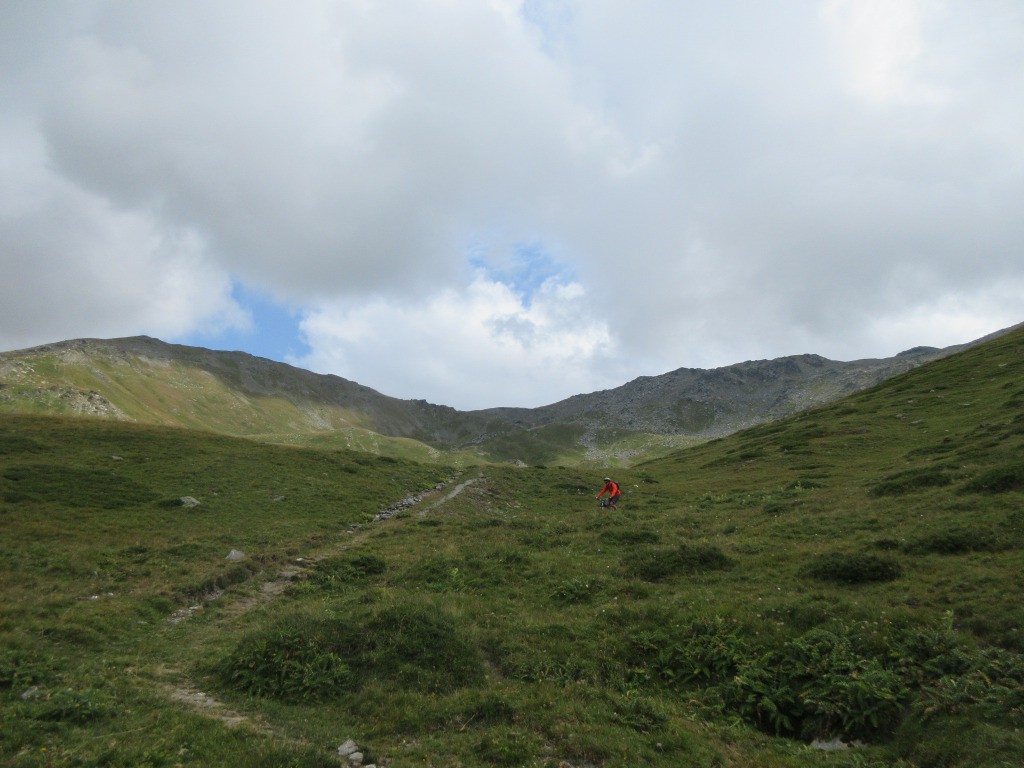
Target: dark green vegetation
851	572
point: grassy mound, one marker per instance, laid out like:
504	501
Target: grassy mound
413	647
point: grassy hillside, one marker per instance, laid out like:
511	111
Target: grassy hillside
148	381
853	572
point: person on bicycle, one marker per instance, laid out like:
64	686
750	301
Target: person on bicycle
612	489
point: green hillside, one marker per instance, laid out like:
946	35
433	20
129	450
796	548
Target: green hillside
849	574
148	381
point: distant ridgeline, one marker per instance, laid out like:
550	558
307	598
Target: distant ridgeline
146	380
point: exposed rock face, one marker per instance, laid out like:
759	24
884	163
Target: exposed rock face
712	403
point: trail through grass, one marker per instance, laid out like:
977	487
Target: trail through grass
851	573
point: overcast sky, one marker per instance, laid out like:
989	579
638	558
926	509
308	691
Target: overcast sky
504	202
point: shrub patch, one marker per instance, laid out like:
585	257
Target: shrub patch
653	564
857	568
999	480
305	657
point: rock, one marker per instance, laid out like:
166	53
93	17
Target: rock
356	759
834	745
347	748
188	502
235	555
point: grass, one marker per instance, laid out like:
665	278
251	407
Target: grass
853	572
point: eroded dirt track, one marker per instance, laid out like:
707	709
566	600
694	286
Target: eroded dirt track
182	690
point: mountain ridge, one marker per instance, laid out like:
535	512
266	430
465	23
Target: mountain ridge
145	379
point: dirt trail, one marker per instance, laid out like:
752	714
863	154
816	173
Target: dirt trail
450	495
183	691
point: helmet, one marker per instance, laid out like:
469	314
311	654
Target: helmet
607	479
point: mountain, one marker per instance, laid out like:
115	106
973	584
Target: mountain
149	381
838	588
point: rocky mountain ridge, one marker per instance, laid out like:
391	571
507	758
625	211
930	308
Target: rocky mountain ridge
148	380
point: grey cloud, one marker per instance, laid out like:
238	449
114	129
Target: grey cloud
714	175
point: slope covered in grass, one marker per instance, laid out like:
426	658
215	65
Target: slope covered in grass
850	573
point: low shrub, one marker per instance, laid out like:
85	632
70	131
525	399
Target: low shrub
1009	477
305	657
506	746
296	659
850	680
576	591
701	651
957	541
911	480
639	713
417	646
73	487
820	684
346	570
19	668
631	536
850	569
658	564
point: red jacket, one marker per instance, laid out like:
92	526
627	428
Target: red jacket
611	488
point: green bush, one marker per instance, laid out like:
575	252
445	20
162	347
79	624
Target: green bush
653	564
631	536
820	684
19	668
1009	477
506	746
639	713
417	646
305	657
346	570
700	651
296	659
956	541
843	568
576	591
911	480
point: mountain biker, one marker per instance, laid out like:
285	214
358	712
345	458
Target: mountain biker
612	489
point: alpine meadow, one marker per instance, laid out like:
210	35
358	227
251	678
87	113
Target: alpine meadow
839	587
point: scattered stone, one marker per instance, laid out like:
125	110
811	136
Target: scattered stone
188	502
116	458
347	748
834	745
235	555
389	512
408	502
32	694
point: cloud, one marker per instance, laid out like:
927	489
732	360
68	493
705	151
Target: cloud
76	265
702	183
480	347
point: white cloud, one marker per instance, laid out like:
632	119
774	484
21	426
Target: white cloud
479	347
881	43
715	179
76	265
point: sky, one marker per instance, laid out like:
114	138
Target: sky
489	203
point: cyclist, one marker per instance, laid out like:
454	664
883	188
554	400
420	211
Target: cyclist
612	489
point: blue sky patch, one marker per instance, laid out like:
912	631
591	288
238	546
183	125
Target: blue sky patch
274	333
525	270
